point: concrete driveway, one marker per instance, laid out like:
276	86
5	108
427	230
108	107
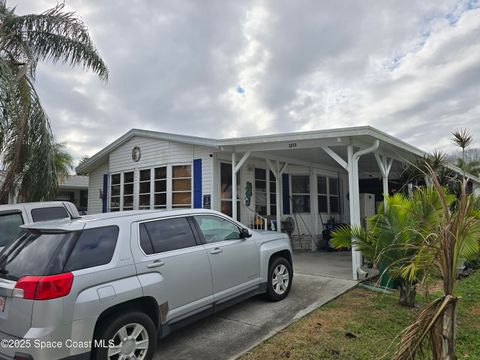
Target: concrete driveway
232	332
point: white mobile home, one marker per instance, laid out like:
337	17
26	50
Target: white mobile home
311	178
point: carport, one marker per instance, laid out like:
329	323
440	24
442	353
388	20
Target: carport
350	155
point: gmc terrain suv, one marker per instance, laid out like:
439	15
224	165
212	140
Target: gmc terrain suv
106	286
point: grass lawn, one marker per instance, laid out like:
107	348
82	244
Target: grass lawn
375	319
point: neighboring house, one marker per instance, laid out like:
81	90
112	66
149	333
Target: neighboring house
311	177
74	188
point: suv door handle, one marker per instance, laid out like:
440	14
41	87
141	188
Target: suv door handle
155	264
216	251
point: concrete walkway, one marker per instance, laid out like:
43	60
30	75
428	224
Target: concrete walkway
234	331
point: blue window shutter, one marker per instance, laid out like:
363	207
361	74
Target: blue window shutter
286	194
197	183
105	194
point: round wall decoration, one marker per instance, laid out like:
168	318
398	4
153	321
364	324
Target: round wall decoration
136	154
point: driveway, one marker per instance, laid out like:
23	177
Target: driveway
234	331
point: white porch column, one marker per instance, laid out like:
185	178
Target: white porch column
234	187
384	164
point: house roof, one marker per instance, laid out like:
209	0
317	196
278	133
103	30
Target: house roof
221	144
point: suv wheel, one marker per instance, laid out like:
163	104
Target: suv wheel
279	279
128	336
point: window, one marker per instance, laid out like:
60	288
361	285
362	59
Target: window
49	213
273	193
128	180
94	247
261	191
9	227
160	196
30	254
144	189
147	188
216	229
115	180
328	195
182	186
165	235
301	193
334	195
226	189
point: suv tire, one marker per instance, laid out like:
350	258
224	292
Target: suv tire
140	339
279	279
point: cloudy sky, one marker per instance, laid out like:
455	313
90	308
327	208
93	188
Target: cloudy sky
227	68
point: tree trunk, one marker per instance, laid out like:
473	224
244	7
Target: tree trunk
448	327
408	292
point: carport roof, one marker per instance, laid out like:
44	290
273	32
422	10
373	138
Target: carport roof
359	134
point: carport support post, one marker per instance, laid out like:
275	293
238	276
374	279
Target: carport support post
384	164
354	191
234	187
277	172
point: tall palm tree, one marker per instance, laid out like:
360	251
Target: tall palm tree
28	148
462	139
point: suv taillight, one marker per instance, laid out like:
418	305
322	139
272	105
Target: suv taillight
44	287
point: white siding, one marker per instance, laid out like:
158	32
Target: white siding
154	152
95	186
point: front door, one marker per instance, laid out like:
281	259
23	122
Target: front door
172	267
234	260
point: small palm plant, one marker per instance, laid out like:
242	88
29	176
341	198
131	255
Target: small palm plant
393	237
454	233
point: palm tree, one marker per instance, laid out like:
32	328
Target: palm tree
455	234
462	139
26	139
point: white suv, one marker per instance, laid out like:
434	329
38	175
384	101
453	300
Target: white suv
105	286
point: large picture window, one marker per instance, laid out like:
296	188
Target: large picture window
148	188
301	193
328	195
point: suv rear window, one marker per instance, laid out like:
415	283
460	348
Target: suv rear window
30	254
34	253
94	247
9	226
49	213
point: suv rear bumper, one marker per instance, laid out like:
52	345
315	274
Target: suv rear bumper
44	346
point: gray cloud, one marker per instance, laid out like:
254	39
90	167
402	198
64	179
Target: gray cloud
410	69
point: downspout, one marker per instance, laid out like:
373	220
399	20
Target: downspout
355	197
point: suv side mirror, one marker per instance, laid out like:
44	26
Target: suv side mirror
245	233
